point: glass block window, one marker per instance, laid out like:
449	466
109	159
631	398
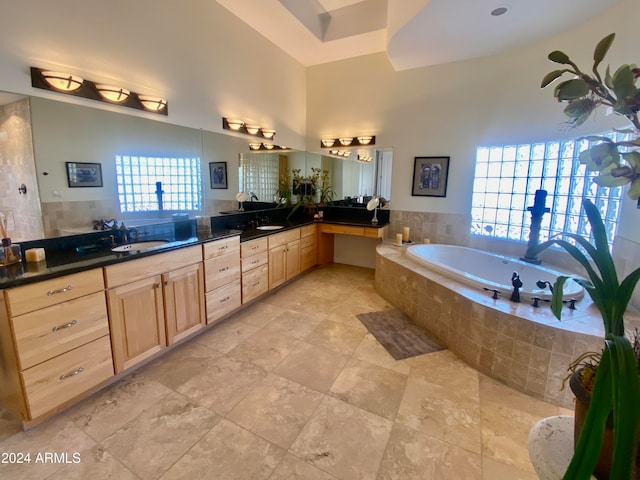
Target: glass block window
259	173
140	178
507	177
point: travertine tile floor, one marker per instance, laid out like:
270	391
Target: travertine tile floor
292	387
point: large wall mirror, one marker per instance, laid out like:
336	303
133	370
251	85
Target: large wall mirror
364	173
39	136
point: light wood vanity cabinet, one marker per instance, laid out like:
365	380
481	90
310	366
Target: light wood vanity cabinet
254	257
222	277
154	302
54	342
308	257
284	257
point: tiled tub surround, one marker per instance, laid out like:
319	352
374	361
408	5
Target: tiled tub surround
525	347
454	229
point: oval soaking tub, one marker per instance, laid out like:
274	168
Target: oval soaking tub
482	269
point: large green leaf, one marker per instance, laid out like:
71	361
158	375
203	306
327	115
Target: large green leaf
602	256
601	49
626	398
617	388
556	298
551	76
605	179
590	442
571	89
559	57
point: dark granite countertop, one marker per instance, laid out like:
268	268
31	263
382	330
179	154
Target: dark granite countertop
64	262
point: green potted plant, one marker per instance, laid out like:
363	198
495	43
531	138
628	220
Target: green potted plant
616	388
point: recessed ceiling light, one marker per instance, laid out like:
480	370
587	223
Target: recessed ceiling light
496	12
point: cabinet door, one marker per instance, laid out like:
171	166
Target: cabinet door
184	301
293	259
277	266
136	317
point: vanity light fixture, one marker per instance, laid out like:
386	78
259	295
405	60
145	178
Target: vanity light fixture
70	84
111	93
235	124
62	81
266	146
348	141
365	158
340	153
241	126
153	104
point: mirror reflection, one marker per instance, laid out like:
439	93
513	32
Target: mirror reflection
39	136
368	174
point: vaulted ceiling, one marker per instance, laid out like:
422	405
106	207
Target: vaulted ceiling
413	33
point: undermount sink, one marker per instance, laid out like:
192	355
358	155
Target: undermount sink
138	246
269	227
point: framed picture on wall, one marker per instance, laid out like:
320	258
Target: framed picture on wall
218	174
430	176
82	174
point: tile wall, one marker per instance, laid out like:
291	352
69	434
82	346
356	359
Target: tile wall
523	347
17	167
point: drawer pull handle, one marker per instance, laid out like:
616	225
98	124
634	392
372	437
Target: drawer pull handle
60	290
255	248
224	299
72	374
224	269
223	248
255	284
255	261
66	325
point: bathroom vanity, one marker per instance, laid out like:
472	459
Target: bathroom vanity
69	328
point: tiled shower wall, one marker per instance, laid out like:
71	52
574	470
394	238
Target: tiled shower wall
17	167
454	229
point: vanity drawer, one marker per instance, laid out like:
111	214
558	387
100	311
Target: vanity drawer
221	270
50	292
223	300
221	247
255	261
307	231
308	257
307	242
62	378
253	247
283	238
342	229
255	283
54	330
128	272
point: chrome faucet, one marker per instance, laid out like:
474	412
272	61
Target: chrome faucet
253	196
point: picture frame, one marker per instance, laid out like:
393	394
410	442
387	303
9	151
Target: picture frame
218	174
430	175
84	174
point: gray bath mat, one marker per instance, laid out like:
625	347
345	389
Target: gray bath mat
399	335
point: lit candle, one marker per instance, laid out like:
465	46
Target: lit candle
405	234
398	239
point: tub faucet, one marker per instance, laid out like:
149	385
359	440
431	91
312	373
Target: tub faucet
545	283
253	196
517	284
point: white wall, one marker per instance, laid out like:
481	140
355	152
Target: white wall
207	64
451	109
